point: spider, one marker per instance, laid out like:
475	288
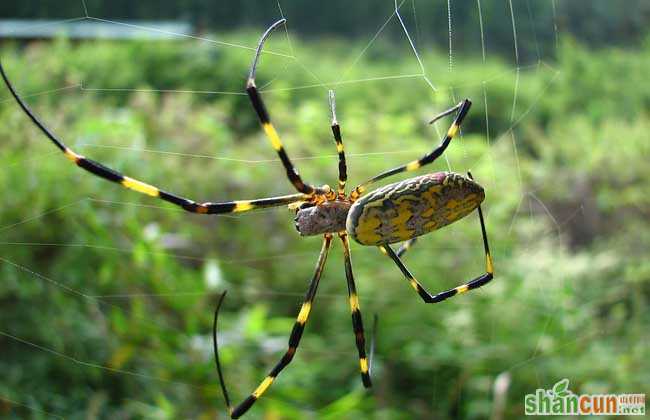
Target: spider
398	212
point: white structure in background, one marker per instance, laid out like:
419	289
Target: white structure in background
91	28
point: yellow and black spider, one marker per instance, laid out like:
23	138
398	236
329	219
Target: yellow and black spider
398	212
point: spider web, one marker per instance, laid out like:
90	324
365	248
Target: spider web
502	149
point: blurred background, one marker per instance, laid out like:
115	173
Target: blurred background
108	296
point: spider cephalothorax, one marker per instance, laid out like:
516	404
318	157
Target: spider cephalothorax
397	212
327	217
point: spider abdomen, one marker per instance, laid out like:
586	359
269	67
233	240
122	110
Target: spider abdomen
413	207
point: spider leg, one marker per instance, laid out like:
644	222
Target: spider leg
406	246
294	339
267	126
336	130
473	284
462	108
357	323
109	174
373	337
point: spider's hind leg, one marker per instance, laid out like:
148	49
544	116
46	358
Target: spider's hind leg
406	246
439	297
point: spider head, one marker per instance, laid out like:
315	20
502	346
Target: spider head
326	217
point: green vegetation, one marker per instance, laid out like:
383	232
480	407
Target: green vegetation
119	290
595	22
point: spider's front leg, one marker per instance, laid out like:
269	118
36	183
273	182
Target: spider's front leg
267	126
100	170
461	111
336	131
473	284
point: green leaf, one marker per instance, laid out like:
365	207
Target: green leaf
560	388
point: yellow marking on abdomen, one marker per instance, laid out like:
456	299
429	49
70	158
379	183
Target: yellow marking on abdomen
414	284
366	227
273	135
339	147
462	289
363	364
304	313
141	187
266	383
242	206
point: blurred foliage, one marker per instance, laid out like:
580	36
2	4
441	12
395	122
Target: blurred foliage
596	22
107	297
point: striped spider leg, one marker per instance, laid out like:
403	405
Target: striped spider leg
357	322
336	131
406	246
267	126
301	320
462	108
294	339
473	284
109	174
